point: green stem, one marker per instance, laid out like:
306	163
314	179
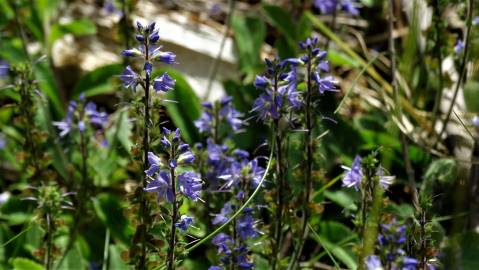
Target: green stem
172	243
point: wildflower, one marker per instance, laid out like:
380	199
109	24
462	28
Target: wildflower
96	118
214	267
3	141
223	241
329	6
185	222
222	217
459	47
4	66
164	83
475	20
155	164
190	184
353	175
129	78
384	180
204	122
267	105
161	185
245	225
373	263
475	121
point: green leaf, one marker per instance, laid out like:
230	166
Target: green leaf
471	92
281	19
47	83
25	264
109	209
250	33
77	28
342	198
186	109
469	250
334	232
98	81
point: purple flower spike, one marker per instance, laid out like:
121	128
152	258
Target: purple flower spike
222	217
186	158
223	241
190	185
164	83
354	175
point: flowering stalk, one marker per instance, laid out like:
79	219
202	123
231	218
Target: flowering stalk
150	52
279	171
174	217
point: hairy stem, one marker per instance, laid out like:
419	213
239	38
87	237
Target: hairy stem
49	243
172	243
437	49
279	183
146	149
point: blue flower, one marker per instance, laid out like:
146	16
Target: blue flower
204	123
214	267
155	164
353	175
409	263
96	118
129	78
222	217
190	185
164	83
267	106
185	222
166	57
373	263
384	180
246	225
475	20
329	6
261	82
3	141
459	47
186	158
223	242
161	185
475	121
324	84
4	67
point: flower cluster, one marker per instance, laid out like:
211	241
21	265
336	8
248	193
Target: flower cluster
150	52
330	6
216	112
279	86
160	170
391	241
354	175
80	115
316	59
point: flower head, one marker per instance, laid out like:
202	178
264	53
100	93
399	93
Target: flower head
190	185
353	175
223	242
164	83
373	263
185	222
4	67
459	47
161	185
129	78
